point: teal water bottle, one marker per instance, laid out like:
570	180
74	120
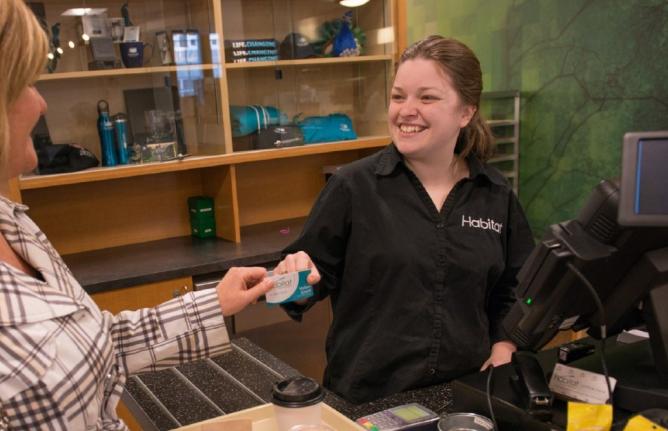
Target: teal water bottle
105	129
122	144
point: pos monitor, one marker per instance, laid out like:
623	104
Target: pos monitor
619	245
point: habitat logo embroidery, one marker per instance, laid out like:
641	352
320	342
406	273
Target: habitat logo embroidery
478	223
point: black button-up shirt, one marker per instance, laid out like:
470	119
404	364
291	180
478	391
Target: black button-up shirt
418	294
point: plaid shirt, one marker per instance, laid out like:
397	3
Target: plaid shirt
63	361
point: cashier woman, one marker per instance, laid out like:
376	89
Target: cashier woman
63	361
418	245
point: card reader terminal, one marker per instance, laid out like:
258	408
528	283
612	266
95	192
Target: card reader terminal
412	417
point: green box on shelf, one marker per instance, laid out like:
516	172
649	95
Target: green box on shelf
204	231
200	205
202	216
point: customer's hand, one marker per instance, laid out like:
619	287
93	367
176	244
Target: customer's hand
298	262
240	287
502	353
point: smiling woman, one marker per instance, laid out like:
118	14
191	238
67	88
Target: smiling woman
426	112
453	72
419	244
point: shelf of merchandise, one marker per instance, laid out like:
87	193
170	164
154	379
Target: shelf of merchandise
309	61
115	73
196	162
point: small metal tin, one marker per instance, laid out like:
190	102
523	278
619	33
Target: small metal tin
465	422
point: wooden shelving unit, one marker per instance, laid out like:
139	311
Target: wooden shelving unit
107	207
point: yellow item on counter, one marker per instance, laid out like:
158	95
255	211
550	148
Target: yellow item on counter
589	417
641	423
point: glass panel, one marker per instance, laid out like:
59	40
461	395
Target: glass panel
289	81
330	102
153	62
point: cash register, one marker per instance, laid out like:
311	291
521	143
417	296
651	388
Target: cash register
617	245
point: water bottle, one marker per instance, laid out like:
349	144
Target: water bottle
122	144
105	129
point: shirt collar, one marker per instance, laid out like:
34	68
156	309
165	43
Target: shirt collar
11	206
390	158
31	301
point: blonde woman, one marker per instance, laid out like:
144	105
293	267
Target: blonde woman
63	361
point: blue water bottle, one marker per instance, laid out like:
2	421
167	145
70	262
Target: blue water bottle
105	129
122	144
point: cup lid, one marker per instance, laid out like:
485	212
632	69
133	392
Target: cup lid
297	391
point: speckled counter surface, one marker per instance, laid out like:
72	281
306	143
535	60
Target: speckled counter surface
237	380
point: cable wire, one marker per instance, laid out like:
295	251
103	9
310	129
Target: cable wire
489	397
604	334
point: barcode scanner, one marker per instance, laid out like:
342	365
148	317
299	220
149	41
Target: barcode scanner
530	385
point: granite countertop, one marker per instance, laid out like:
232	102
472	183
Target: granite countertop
237	380
154	261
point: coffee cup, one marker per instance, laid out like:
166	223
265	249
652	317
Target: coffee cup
132	53
297	402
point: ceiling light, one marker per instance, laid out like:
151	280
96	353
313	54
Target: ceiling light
81	11
353	3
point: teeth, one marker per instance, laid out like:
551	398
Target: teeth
410	129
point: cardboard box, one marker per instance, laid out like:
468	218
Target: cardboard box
261	418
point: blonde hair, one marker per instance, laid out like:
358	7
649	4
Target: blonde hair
462	66
23	49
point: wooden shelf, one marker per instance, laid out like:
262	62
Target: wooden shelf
123	72
309	61
196	162
155	261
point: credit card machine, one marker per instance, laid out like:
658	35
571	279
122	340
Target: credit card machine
412	417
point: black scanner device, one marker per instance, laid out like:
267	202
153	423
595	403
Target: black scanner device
530	385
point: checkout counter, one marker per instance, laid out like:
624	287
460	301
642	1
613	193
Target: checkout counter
243	378
594	271
237	380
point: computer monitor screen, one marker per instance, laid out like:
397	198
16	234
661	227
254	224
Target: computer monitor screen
644	186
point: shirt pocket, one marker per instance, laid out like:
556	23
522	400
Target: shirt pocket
27	352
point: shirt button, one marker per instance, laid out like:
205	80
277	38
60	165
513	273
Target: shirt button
432	371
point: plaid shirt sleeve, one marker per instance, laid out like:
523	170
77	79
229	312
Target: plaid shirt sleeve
63	362
184	329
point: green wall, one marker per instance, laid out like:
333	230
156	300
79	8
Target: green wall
588	72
